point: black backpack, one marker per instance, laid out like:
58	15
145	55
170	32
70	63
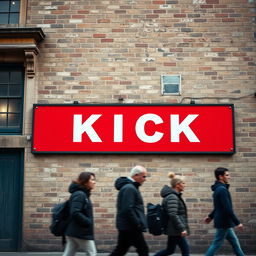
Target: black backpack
157	219
60	218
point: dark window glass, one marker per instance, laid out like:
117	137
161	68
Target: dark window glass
4	18
14	105
13	120
9	12
4	77
3	105
15	77
171	88
14	18
3	89
15	6
4	6
3	120
11	99
14	90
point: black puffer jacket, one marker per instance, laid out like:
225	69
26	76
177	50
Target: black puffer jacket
176	210
81	213
130	208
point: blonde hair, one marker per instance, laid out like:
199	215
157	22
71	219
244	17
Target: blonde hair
175	179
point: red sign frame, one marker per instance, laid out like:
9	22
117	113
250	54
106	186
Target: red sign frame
133	128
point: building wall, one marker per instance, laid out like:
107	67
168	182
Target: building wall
106	51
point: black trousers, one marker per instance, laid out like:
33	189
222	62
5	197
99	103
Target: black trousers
128	238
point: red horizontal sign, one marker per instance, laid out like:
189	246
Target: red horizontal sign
133	129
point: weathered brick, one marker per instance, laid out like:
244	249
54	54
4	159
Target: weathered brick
99	35
116	51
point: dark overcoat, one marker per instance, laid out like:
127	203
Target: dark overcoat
130	207
81	213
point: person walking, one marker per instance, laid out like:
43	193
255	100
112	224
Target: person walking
175	208
223	215
79	232
130	218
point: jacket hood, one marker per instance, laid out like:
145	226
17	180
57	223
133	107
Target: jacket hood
120	182
167	190
75	187
218	184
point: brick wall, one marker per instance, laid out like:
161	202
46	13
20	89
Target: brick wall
100	51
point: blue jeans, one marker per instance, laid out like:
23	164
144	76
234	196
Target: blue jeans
172	242
220	235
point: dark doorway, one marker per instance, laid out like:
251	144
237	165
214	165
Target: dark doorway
11	194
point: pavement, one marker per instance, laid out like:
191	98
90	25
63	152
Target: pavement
79	254
60	254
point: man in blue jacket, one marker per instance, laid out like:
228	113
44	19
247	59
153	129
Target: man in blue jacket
130	217
223	215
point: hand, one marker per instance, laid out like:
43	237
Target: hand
240	226
207	220
184	233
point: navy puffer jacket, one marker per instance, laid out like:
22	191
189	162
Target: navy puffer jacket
223	214
81	213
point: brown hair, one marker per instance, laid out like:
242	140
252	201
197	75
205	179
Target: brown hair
83	178
175	179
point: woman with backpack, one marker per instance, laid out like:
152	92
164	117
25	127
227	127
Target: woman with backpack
79	232
175	208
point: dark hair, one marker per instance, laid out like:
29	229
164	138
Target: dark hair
83	178
220	171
